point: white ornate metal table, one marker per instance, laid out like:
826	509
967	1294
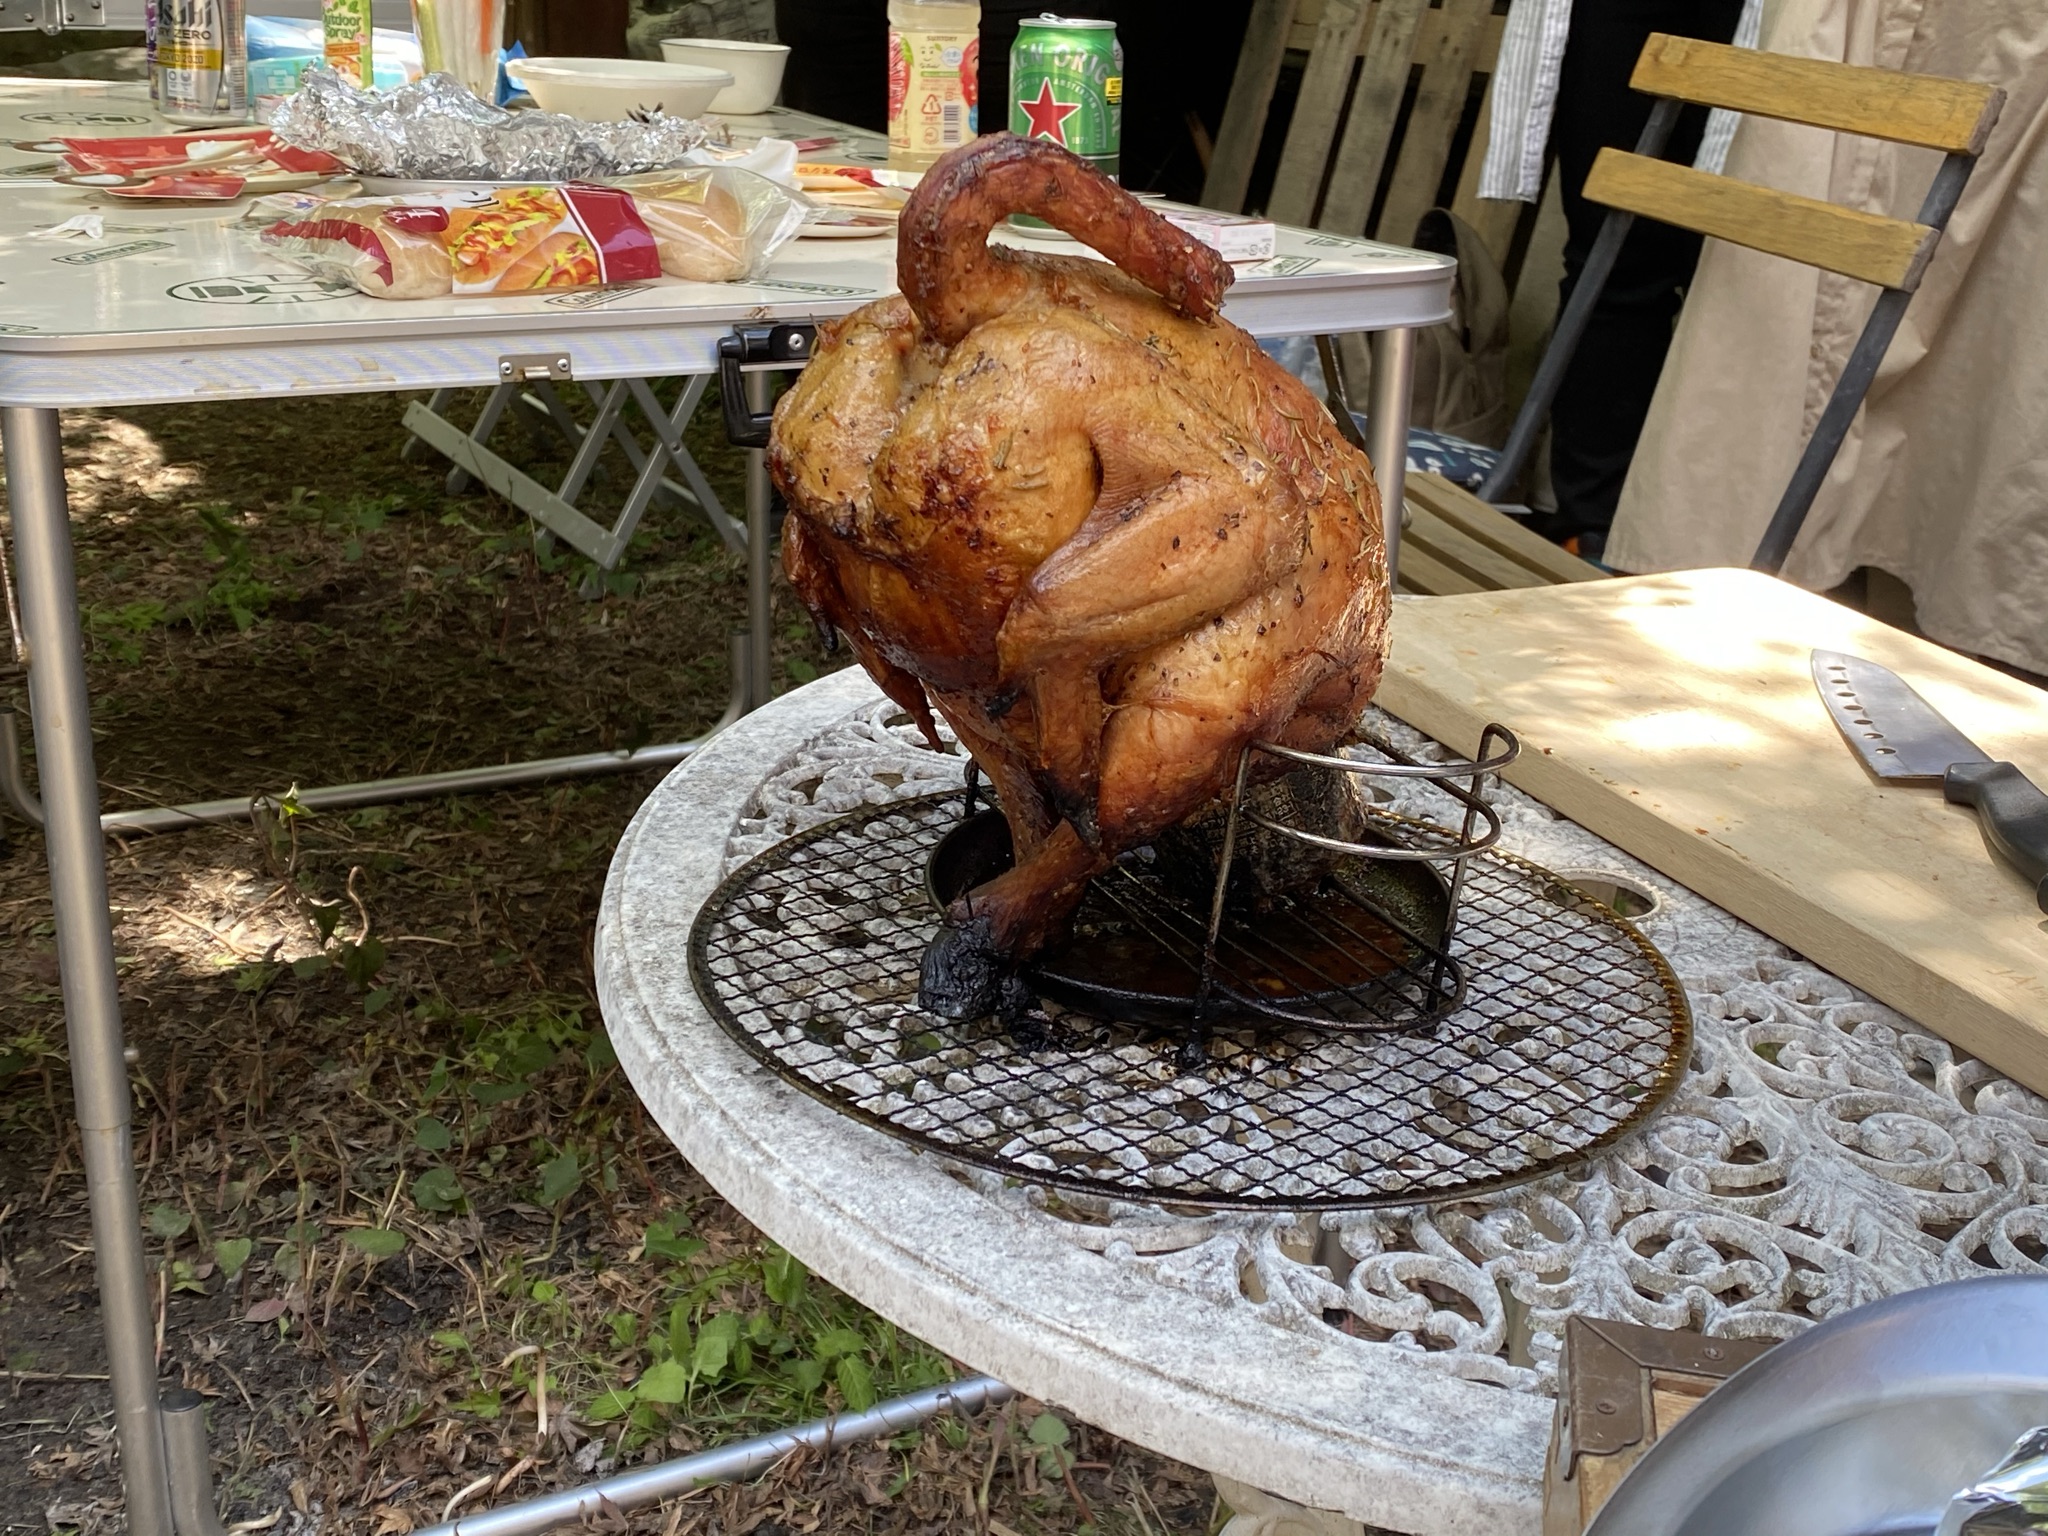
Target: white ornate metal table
1394	1366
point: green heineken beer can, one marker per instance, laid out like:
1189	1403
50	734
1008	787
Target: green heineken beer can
1067	85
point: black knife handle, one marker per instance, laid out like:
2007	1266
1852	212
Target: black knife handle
2014	813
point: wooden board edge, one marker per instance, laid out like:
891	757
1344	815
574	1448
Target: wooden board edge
1943	1007
1485	564
1419	572
1489	525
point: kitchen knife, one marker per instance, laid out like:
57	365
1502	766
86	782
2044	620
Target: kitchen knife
1904	740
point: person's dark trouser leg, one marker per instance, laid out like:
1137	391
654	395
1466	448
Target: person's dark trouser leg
1606	393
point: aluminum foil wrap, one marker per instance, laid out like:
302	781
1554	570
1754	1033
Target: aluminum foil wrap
434	130
2010	1499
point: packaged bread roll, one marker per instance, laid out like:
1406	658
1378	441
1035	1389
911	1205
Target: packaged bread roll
391	250
714	224
708	224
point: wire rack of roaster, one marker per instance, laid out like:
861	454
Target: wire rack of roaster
1329	989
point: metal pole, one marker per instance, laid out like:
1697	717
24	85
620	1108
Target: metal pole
1386	425
14	790
1858	374
192	1505
631	1490
1571	324
85	946
760	537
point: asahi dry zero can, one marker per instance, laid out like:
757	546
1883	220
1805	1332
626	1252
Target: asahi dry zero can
202	61
1067	85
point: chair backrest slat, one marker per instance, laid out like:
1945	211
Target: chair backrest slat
1363	56
1244	115
1375	107
1954	116
1889	252
1324	85
1440	99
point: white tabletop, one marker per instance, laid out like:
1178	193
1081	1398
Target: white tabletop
176	303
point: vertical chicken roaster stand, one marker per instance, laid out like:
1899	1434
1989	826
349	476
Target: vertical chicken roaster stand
1364	1031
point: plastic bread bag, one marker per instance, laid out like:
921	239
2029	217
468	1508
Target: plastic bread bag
382	246
510	240
707	224
715	224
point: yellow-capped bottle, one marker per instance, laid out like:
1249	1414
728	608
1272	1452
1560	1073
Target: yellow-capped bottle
934	60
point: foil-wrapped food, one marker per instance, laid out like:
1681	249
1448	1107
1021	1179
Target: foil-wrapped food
2009	1500
434	129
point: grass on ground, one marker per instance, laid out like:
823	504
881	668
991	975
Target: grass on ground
414	1238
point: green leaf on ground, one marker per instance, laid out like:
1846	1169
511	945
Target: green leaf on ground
663	1242
609	1405
838	1341
1049	1429
714	1345
361	962
377	1242
559	1178
325	918
856	1383
431	1134
231	1254
437	1190
782	1277
169	1223
665	1381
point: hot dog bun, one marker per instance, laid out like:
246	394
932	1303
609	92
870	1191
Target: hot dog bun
370	250
699	227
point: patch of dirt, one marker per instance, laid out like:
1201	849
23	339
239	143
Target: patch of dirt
414	1239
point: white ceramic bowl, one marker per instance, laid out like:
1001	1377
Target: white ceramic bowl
608	90
756	69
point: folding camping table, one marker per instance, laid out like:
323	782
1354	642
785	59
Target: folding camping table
564	510
174	305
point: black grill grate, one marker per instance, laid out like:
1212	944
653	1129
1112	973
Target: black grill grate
1571	1031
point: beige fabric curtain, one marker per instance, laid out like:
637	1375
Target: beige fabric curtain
1943	481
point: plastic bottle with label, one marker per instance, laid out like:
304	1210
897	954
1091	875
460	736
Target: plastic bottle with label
934	59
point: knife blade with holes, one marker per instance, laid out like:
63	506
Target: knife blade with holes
1904	740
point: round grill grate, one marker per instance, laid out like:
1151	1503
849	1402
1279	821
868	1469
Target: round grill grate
1571	1033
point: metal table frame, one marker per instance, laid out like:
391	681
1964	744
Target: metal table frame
41	373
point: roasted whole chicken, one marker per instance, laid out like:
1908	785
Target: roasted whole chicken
1086	520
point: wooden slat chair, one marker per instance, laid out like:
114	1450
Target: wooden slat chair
1954	116
1346	140
1361	58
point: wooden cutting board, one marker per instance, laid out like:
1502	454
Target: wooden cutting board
1676	717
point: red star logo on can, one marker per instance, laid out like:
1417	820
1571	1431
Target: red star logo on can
1049	115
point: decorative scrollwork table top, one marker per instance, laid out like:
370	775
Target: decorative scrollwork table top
1395	1365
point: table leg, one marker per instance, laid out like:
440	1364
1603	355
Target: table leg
1393	383
85	946
760	539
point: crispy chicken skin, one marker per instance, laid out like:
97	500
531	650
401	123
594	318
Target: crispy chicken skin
1084	519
